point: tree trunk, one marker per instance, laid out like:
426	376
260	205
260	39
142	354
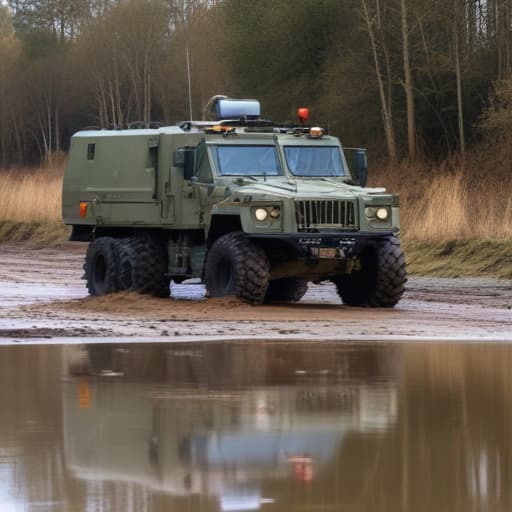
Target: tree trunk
385	106
57	129
20	135
44	140
146	70
112	101
498	41
49	127
458	78
117	92
102	103
4	157
433	84
408	85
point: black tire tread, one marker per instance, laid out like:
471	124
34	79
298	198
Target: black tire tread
286	289
250	279
388	283
143	266
108	248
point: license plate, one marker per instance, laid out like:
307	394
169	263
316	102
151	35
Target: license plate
327	252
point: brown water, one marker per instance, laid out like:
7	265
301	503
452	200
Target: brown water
256	426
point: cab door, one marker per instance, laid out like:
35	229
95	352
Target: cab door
197	184
203	182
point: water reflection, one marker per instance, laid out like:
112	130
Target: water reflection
220	422
255	426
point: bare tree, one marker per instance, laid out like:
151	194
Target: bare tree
385	100
10	54
408	84
458	11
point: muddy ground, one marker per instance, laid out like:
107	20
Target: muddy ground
42	297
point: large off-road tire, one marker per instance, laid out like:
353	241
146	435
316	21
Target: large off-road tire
290	290
236	266
380	282
143	265
101	266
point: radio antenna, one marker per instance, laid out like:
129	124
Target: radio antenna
189	85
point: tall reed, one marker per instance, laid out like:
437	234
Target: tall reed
453	200
31	195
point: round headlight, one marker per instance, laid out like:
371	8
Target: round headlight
382	213
261	214
275	213
369	212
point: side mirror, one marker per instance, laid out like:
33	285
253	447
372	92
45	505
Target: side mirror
186	159
190	164
360	166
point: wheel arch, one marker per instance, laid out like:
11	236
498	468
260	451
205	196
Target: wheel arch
222	224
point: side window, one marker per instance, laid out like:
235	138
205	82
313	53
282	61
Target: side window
152	162
91	151
153	157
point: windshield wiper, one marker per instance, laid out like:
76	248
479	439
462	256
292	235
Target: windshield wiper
241	179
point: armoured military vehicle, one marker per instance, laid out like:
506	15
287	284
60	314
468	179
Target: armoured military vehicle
255	209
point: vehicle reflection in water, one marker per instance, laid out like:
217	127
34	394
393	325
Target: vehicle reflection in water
256	426
221	425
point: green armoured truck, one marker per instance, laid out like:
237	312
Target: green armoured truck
254	209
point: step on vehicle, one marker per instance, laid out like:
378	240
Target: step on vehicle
254	209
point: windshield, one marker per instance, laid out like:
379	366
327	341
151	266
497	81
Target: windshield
314	160
247	160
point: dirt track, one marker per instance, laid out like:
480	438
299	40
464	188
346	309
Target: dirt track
43	297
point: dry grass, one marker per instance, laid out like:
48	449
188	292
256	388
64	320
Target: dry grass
456	200
453	201
443	203
34	234
31	195
30	208
458	258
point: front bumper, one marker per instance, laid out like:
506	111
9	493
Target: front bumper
347	244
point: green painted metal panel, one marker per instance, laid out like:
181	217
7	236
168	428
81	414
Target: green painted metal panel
131	178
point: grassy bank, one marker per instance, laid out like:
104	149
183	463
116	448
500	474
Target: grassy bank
456	215
456	218
456	200
30	207
34	234
459	258
31	195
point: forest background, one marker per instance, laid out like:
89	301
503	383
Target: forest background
425	85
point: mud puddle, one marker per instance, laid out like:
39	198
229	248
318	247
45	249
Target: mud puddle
255	426
43	297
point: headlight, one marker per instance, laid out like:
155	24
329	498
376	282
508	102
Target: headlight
369	212
382	213
261	214
275	213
